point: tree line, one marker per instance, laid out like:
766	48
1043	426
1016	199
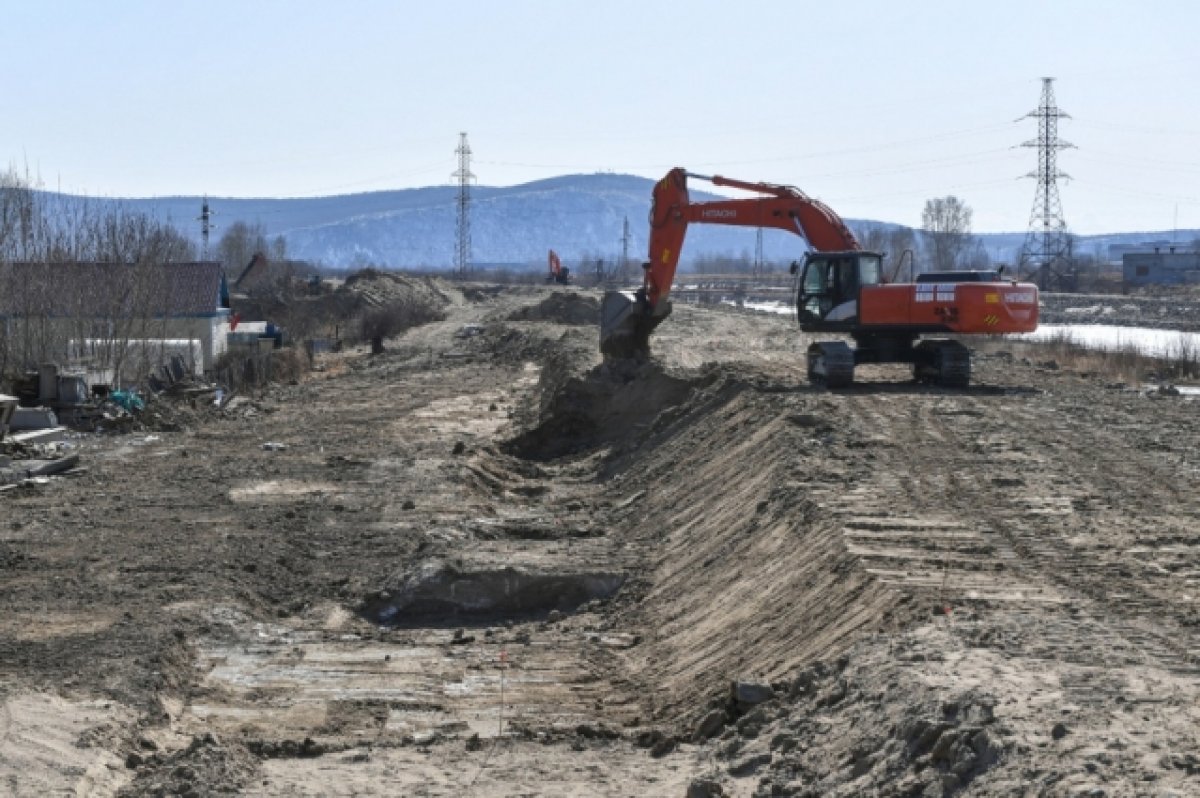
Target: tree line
44	321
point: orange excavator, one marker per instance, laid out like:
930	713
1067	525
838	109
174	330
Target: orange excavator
558	273
841	289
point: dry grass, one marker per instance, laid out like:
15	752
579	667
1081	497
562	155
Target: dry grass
241	369
1125	363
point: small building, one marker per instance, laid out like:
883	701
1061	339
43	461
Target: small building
49	311
1159	267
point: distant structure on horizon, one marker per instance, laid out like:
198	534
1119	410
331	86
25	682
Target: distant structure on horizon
1045	256
206	226
462	252
1161	268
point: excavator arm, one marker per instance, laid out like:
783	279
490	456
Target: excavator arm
626	323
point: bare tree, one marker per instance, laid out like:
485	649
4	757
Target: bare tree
116	290
892	241
946	227
19	212
238	245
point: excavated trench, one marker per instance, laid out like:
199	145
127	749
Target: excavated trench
614	403
436	593
609	408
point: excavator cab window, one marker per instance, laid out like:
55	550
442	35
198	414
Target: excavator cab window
831	281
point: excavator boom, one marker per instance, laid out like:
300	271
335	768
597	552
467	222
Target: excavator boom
627	321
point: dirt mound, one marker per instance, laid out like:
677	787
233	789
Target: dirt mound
438	592
206	763
500	342
482	294
561	307
838	729
380	288
609	404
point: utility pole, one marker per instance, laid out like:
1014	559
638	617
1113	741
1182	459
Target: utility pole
1045	253
206	225
625	239
462	257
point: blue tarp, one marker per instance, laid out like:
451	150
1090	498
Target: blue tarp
128	400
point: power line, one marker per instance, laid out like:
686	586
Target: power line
795	156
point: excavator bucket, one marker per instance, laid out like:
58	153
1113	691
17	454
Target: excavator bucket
626	321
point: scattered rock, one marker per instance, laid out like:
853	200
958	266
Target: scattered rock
748	694
663	747
748	764
709	725
1059	731
705	788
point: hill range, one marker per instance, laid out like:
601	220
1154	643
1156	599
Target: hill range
582	217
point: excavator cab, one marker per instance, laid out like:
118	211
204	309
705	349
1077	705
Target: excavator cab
827	297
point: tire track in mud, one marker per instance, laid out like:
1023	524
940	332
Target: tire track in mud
1025	534
5	729
904	517
1053	530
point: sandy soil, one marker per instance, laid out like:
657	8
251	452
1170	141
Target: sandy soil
485	563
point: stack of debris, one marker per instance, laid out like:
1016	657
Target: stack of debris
31	444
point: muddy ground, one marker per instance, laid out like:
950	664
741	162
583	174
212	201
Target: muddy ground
486	564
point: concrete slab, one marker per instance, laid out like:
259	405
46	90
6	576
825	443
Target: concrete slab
51	435
31	418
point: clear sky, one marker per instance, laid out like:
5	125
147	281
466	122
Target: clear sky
871	105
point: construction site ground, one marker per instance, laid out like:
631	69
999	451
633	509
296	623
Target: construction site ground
486	564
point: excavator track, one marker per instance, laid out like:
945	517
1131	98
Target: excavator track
943	362
831	363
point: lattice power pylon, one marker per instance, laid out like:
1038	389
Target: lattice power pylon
462	255
1045	255
206	226
626	239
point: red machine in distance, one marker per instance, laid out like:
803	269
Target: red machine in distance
558	273
841	289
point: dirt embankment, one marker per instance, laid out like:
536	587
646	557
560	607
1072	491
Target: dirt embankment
485	563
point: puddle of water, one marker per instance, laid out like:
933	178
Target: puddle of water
1106	337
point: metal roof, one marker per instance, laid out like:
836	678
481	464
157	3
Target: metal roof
111	290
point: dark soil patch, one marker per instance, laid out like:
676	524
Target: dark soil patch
561	307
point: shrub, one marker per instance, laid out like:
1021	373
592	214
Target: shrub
398	315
